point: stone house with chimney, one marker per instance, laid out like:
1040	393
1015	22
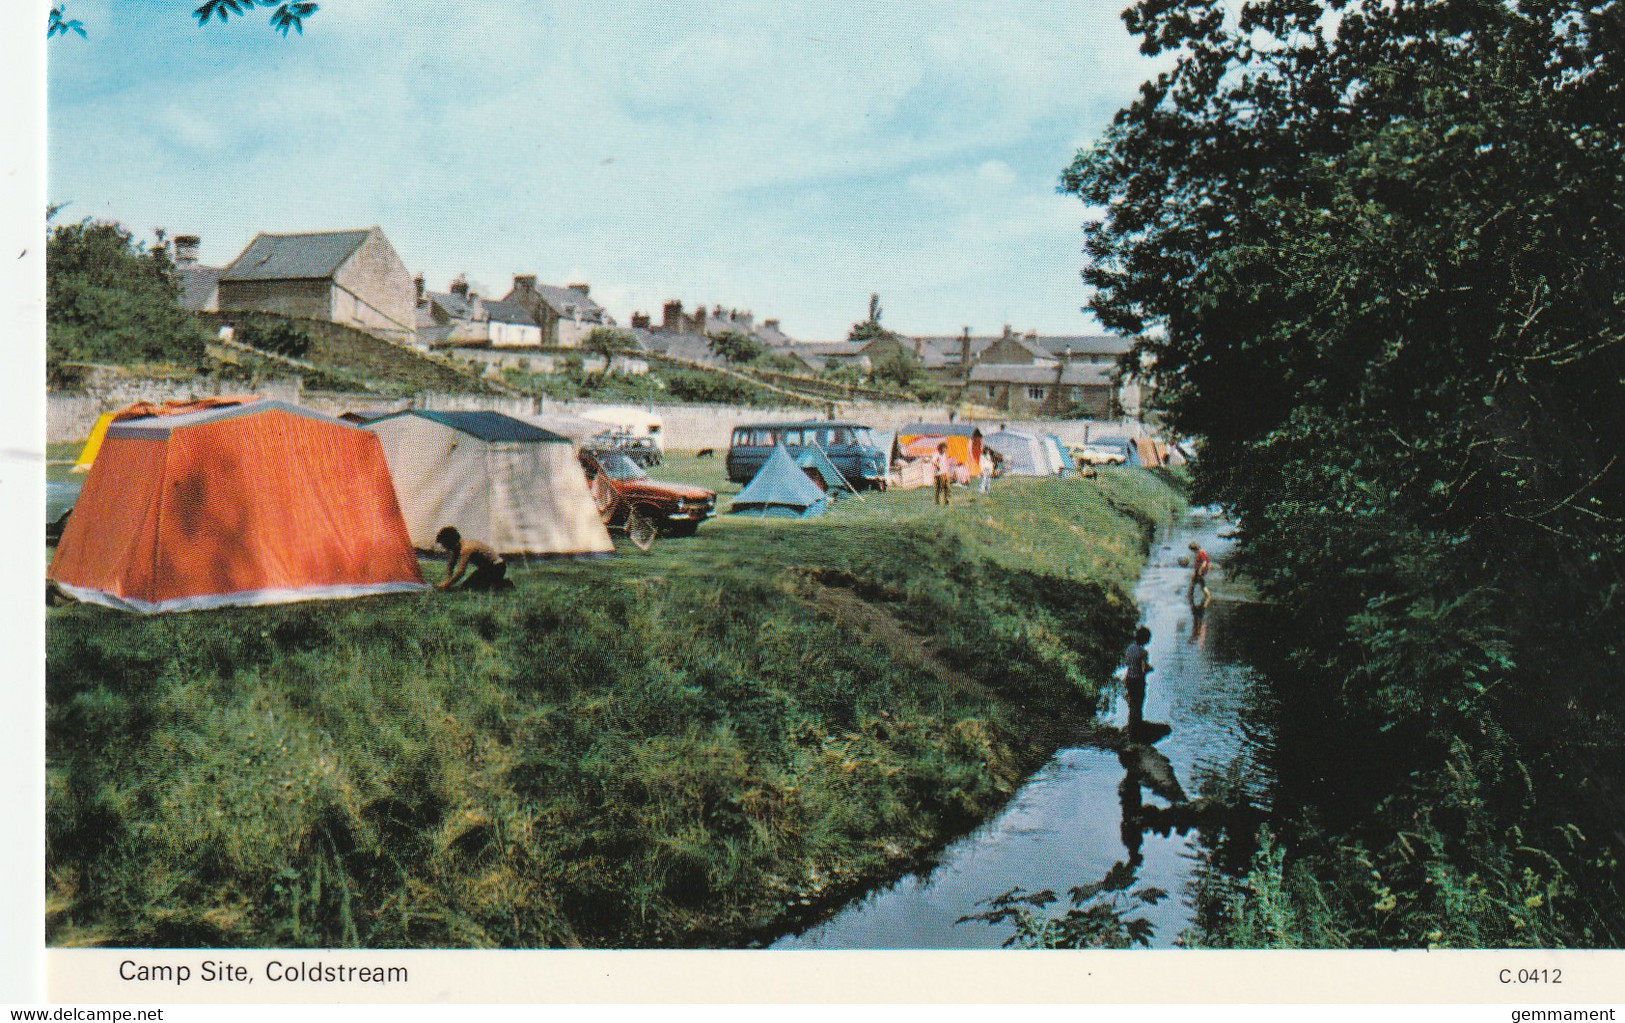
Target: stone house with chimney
564	315
1045	389
349	277
462	318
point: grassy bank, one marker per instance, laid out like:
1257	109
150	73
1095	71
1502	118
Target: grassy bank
688	747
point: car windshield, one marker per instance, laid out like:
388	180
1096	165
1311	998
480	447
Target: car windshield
620	467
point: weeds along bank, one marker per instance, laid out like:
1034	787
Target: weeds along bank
672	749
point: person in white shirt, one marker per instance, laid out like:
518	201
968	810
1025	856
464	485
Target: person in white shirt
943	465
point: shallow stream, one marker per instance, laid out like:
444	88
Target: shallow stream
1075	821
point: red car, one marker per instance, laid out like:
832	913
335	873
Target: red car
618	483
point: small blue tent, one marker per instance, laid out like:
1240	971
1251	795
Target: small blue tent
812	457
780	488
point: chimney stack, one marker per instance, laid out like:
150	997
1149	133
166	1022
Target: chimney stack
417	286
1007	333
964	353
671	318
186	246
770	324
459	287
640	321
524	286
583	290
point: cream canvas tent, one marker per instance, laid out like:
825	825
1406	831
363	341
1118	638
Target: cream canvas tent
1023	453
505	482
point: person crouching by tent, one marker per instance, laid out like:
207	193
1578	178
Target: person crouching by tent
943	465
989	460
489	569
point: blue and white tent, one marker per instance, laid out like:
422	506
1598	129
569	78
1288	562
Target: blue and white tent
813	457
780	488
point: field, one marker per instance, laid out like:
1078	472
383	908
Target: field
693	747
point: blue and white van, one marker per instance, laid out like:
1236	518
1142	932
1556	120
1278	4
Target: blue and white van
851	446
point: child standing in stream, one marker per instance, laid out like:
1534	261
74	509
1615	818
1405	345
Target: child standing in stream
1137	659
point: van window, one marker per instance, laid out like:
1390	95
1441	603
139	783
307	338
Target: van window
792	438
841	436
738	440
761	438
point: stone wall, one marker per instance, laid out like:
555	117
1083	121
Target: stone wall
69	417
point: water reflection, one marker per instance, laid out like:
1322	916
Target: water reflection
1113	822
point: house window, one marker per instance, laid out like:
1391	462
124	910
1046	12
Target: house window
1077	394
1035	393
992	391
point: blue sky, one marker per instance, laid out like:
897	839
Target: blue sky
788	158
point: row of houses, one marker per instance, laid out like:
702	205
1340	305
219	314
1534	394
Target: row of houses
358	279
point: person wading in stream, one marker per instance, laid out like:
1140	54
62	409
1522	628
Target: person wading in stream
1138	662
489	569
1200	563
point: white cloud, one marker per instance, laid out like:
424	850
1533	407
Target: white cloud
787	157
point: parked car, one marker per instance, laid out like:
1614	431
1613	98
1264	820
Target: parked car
850	446
1095	454
619	484
60	496
642	450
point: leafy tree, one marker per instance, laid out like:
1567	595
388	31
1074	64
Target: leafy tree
1375	251
60	25
606	342
870	328
287	14
779	363
896	367
735	346
109	300
277	336
291	14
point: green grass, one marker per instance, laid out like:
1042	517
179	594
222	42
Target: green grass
675	749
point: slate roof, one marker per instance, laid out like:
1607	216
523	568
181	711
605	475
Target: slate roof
488	426
454	305
1084	344
508	312
949	344
289	257
567	302
689	347
773	336
1029	345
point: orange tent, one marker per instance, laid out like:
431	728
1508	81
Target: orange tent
920	440
259	502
